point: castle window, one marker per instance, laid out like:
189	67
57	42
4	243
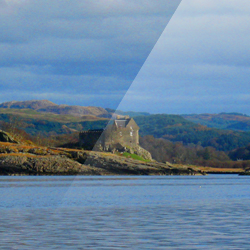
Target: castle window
131	133
120	133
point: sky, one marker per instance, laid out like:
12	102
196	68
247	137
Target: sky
165	56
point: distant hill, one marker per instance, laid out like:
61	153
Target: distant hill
50	107
34	122
35	104
130	113
229	121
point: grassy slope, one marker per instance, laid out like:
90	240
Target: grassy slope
32	114
34	122
134	156
48	106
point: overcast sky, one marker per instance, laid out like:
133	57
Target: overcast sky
86	52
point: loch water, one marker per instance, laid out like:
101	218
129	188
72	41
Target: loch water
125	212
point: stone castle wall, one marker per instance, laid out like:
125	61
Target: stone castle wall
123	136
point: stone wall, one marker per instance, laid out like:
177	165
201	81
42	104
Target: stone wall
126	136
123	136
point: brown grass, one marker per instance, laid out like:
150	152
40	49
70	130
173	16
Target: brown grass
219	170
21	155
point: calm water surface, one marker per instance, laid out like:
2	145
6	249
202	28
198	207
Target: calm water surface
172	212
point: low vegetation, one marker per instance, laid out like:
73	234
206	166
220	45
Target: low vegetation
134	156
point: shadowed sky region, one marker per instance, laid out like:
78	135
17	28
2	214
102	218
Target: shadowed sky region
80	52
89	53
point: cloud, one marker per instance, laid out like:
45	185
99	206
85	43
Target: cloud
81	31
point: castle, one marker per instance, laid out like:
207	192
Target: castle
122	132
121	135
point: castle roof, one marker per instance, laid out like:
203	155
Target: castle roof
121	123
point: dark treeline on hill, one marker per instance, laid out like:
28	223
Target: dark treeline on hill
164	150
175	152
242	153
175	128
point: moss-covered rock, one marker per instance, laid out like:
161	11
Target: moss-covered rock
138	150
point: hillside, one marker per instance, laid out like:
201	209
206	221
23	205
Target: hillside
47	124
50	107
228	121
176	128
34	120
33	114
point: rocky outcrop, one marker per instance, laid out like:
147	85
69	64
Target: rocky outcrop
246	172
44	165
120	165
29	160
6	137
138	150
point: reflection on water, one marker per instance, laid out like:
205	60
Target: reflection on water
177	212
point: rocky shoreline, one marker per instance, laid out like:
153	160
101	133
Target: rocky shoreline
16	159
